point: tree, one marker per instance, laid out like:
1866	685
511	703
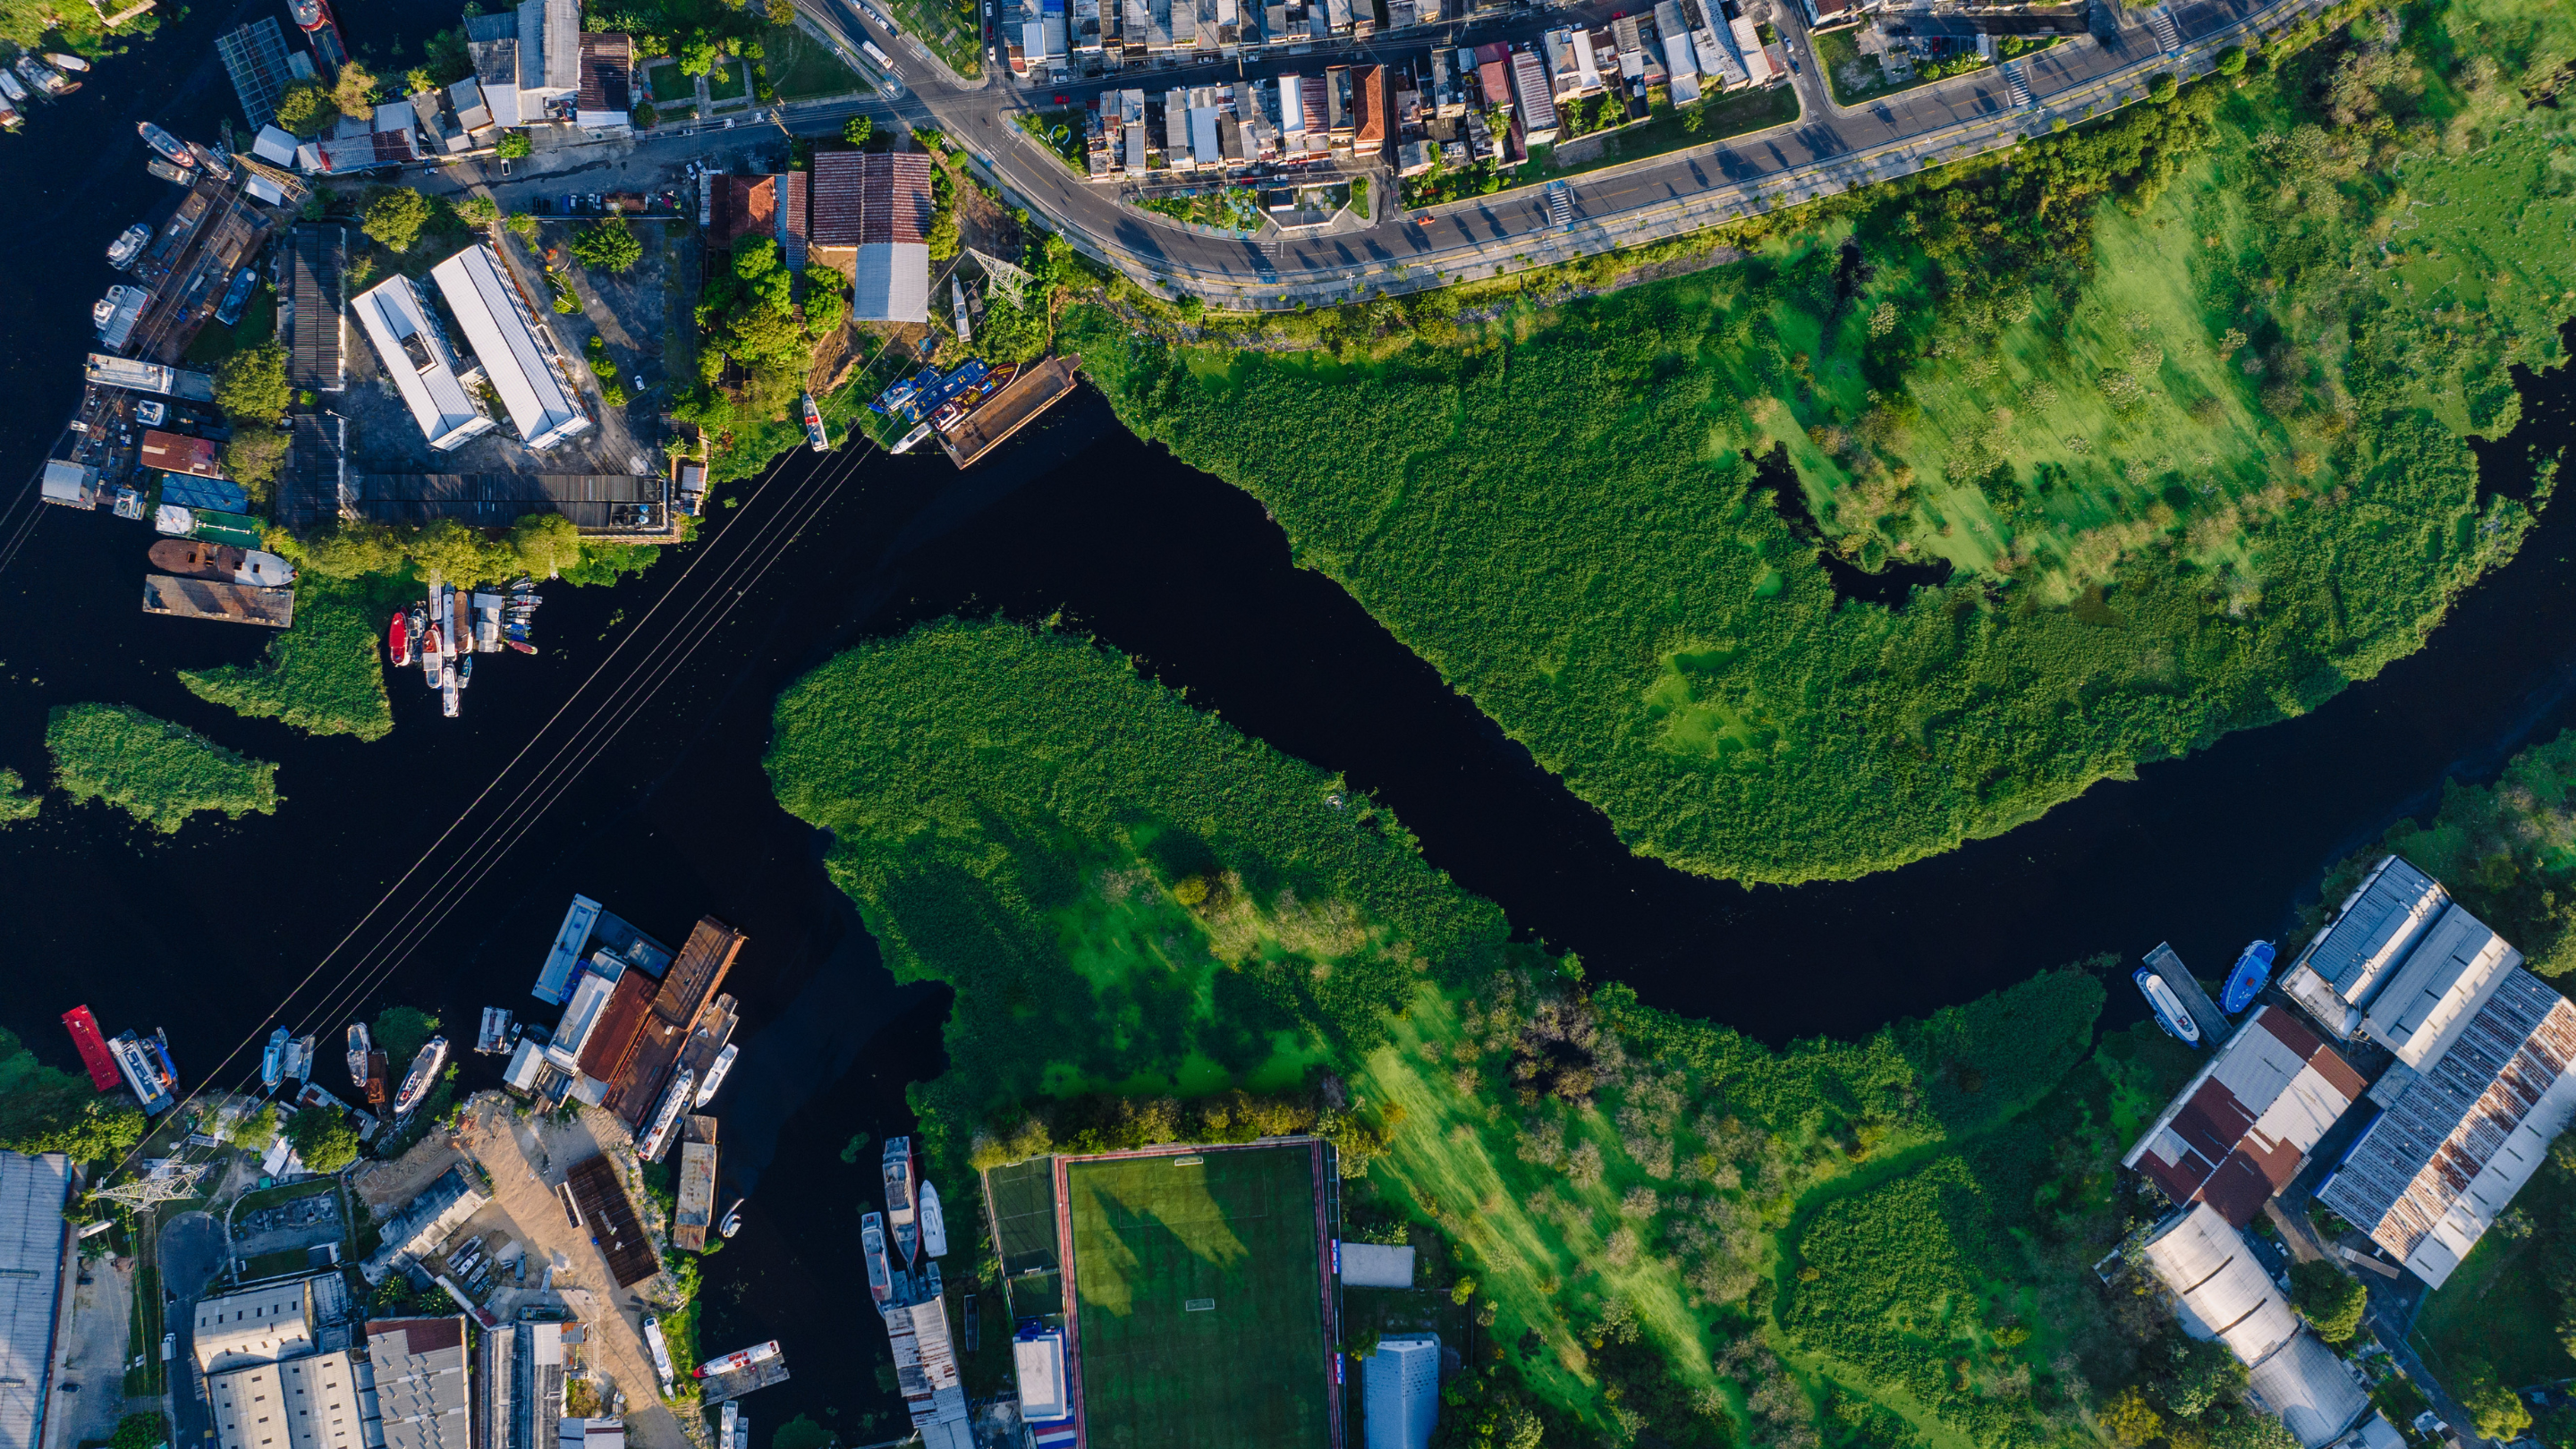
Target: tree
323	1138
646	118
394	218
2163	88
859	131
698	54
251	384
255	1130
306	108
401	1031
2190	1375
2496	1412
355	92
140	1431
476	211
253	456
445	54
417	79
522	226
2231	61
513	145
547	543
2130	1420
825	306
609	244
782	12
2329	1298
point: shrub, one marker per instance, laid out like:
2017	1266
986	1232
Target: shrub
2497	1412
522	226
2231	61
609	243
475	211
323	1138
2163	88
306	109
251	384
2329	1298
513	146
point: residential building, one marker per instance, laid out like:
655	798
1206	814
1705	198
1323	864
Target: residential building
604	99
1535	109
1373	113
870	216
2243	1126
745	206
423	1394
1748	43
528	61
1681	60
1401	1389
34	1240
517	353
429	113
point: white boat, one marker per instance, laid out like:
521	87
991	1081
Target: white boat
661	1352
430	657
128	246
299	1059
716	1073
903	1202
66	62
359	1046
11	86
741	1358
934	1227
424	1073
731	1223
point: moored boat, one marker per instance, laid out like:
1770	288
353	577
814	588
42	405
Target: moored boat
128	245
872	1244
45	78
142	1073
2169	1010
299	1059
2253	972
91	1043
236	297
358	1046
738	1360
61	61
424	1073
172	149
522	645
732	1221
934	1224
10	120
465	671
902	1189
11	86
431	662
716	1073
398	645
272	1062
817	436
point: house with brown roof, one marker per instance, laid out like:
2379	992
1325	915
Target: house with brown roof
868	217
2241	1129
1373	112
605	99
744	206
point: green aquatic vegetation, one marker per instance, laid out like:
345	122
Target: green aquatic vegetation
17	802
324	676
2196	456
155	771
1145	916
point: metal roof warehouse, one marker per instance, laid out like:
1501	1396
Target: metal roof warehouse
515	357
416	357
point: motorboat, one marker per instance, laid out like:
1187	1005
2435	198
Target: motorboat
12	87
61	61
128	245
299	1059
872	1243
522	645
731	1223
422	1076
736	1361
150	413
398	643
716	1073
103	309
10	120
134	1057
816	436
45	78
171	148
419	629
430	653
2168	1007
465	671
903	1200
236	297
934	1225
272	1062
2253	972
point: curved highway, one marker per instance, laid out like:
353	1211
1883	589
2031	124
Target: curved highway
1828	149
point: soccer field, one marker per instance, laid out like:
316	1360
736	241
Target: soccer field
1200	1290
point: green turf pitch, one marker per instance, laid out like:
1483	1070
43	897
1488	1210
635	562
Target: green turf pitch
1149	1239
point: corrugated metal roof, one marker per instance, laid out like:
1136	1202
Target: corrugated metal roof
417	358
892	283
2429	998
518	361
2396	904
32	1193
607	72
315	255
2239	1130
2315	1395
2225	1293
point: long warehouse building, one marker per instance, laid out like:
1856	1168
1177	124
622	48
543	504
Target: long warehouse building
416	356
518	358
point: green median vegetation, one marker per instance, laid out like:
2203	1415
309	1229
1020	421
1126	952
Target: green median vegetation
325	675
1959	493
155	771
1158	930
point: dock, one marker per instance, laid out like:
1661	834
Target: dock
695	1208
1038	387
716	1388
210	599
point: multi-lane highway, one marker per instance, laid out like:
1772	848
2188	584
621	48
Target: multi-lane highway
1828	149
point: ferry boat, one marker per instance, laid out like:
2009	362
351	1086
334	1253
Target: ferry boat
424	1072
716	1073
2168	1007
66	62
2253	972
872	1243
128	246
902	1183
91	1043
358	1046
934	1226
398	644
737	1361
171	148
272	1062
816	436
145	1071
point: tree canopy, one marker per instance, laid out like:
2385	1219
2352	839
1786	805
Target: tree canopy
395	217
2329	1298
306	108
251	384
323	1138
608	243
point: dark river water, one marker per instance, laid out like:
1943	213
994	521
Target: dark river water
205	934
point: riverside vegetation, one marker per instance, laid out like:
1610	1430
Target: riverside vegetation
158	772
2164	419
1159	930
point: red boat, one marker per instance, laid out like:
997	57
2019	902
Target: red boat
398	638
522	645
93	1049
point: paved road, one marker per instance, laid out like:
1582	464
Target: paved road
192	1253
1828	149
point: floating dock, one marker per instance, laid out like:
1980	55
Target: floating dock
733	1383
209	599
1038	387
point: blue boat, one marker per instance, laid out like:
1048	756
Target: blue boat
272	1063
2169	1010
234	300
2253	972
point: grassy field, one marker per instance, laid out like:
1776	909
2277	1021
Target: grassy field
1126	895
1201	1314
802	68
158	772
2192	449
1856	77
214	342
728	82
324	676
667	83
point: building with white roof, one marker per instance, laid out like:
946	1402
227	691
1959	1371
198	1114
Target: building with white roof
423	368
2243	1126
1401	1391
2430	998
260	1326
33	1236
518	356
311	1402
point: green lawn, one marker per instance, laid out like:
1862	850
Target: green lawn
2498	1305
1856	77
1061	133
801	67
949	27
1201	1315
726	82
667	83
214	342
1736	114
